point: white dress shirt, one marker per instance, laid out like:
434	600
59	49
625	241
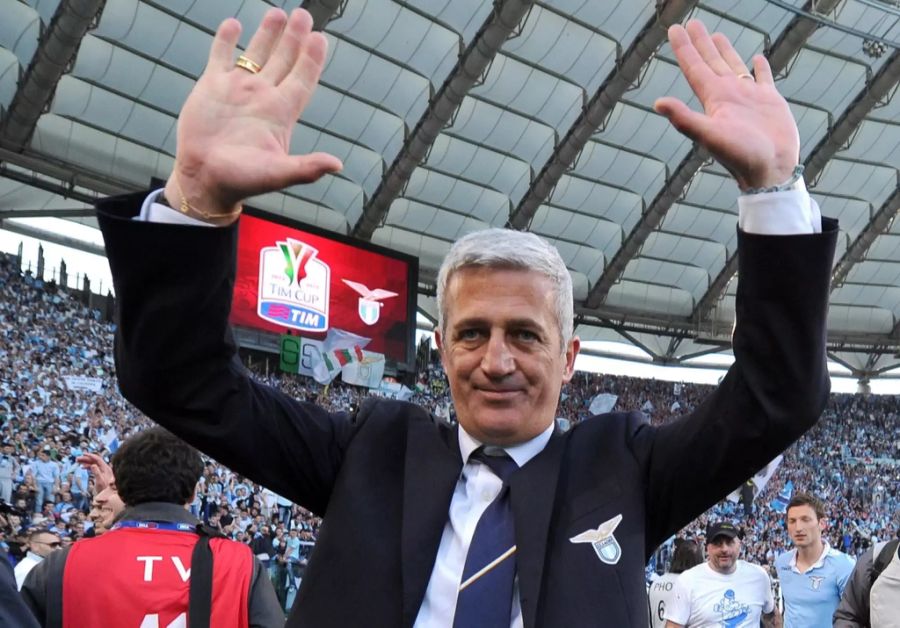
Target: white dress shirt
24	567
476	488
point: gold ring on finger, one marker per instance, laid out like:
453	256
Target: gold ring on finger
245	63
745	75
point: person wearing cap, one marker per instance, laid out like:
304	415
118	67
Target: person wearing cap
724	591
813	575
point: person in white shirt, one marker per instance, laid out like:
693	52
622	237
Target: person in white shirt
687	555
40	543
723	592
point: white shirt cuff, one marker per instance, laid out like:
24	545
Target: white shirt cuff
151	211
793	212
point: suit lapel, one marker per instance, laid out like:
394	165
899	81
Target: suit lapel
533	492
432	469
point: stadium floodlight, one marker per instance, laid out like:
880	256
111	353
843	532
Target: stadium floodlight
874	49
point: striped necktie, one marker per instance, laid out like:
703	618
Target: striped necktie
486	590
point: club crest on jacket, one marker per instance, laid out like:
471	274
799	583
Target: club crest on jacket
603	540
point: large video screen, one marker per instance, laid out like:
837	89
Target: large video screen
294	278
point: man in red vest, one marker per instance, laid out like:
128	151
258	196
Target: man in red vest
158	565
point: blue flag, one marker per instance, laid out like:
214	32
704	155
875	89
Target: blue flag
779	504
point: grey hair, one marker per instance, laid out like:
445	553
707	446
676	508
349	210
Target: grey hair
510	249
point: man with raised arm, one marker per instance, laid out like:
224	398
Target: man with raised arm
499	522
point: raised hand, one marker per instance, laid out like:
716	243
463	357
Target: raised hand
746	125
102	472
235	128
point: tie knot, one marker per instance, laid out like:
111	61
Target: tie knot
497	460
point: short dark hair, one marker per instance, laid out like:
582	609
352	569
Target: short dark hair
687	554
156	466
805	499
40	530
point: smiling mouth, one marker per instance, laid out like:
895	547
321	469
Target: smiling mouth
501	394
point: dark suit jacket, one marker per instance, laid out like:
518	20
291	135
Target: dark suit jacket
383	478
13	611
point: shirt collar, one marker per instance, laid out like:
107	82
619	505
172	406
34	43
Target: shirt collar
158	511
819	562
35	557
521	453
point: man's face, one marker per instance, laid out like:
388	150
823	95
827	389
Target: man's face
105	508
501	351
723	552
804	527
44	543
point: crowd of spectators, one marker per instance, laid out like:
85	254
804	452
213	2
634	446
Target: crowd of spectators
850	459
47	420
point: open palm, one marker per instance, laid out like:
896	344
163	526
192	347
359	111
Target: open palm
746	124
235	128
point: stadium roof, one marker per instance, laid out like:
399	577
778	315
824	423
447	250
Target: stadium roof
453	115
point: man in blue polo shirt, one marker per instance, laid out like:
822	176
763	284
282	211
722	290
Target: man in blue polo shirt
812	575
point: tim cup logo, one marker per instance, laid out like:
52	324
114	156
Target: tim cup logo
293	286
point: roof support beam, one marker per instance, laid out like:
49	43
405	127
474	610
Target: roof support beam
879	223
878	88
779	55
54	56
47	213
474	61
699	354
45	235
68	176
323	11
633	340
612	318
594	115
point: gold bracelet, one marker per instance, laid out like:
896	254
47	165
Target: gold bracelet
186	208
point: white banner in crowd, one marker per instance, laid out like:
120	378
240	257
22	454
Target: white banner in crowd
366	372
604	402
77	382
765	474
760	480
110	440
339	350
340	353
299	355
395	390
